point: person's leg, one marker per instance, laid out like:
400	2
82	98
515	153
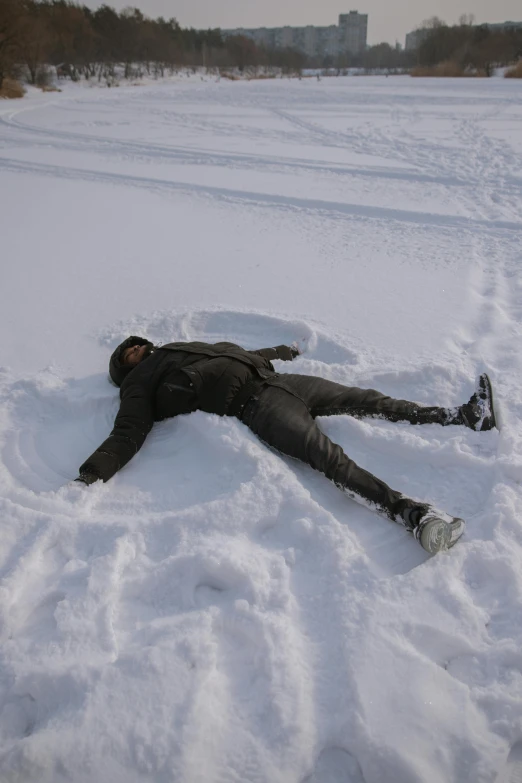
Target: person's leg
327	398
284	422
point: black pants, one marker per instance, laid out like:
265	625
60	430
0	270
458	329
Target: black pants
283	416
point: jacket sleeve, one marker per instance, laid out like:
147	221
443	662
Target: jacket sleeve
284	352
132	425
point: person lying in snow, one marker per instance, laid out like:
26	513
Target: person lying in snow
160	382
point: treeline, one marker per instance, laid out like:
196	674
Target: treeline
81	42
448	50
84	43
469	47
102	44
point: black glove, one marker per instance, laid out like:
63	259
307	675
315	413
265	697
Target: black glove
87	478
287	352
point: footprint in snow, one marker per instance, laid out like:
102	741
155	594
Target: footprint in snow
512	770
335	765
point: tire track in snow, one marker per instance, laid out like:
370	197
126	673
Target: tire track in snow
359	211
201	156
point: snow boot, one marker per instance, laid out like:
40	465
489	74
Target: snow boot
478	414
435	530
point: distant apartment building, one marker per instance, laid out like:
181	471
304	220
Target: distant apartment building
417	37
349	36
505	26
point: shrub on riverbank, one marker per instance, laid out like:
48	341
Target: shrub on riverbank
11	89
446	69
515	72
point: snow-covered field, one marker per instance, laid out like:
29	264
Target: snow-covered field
217	613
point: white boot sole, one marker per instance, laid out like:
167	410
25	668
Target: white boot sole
438	535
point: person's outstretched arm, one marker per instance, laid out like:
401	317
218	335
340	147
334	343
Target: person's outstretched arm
132	425
284	352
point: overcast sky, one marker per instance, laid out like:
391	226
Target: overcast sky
388	21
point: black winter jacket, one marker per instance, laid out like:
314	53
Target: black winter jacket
180	378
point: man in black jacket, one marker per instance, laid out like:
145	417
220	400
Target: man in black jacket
161	382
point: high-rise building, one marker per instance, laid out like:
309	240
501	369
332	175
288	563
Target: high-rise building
416	37
353	29
348	37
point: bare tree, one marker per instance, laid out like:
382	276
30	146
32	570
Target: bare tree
34	40
467	20
10	30
433	23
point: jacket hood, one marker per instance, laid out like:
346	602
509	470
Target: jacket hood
118	371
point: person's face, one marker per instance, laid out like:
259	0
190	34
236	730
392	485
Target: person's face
133	355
